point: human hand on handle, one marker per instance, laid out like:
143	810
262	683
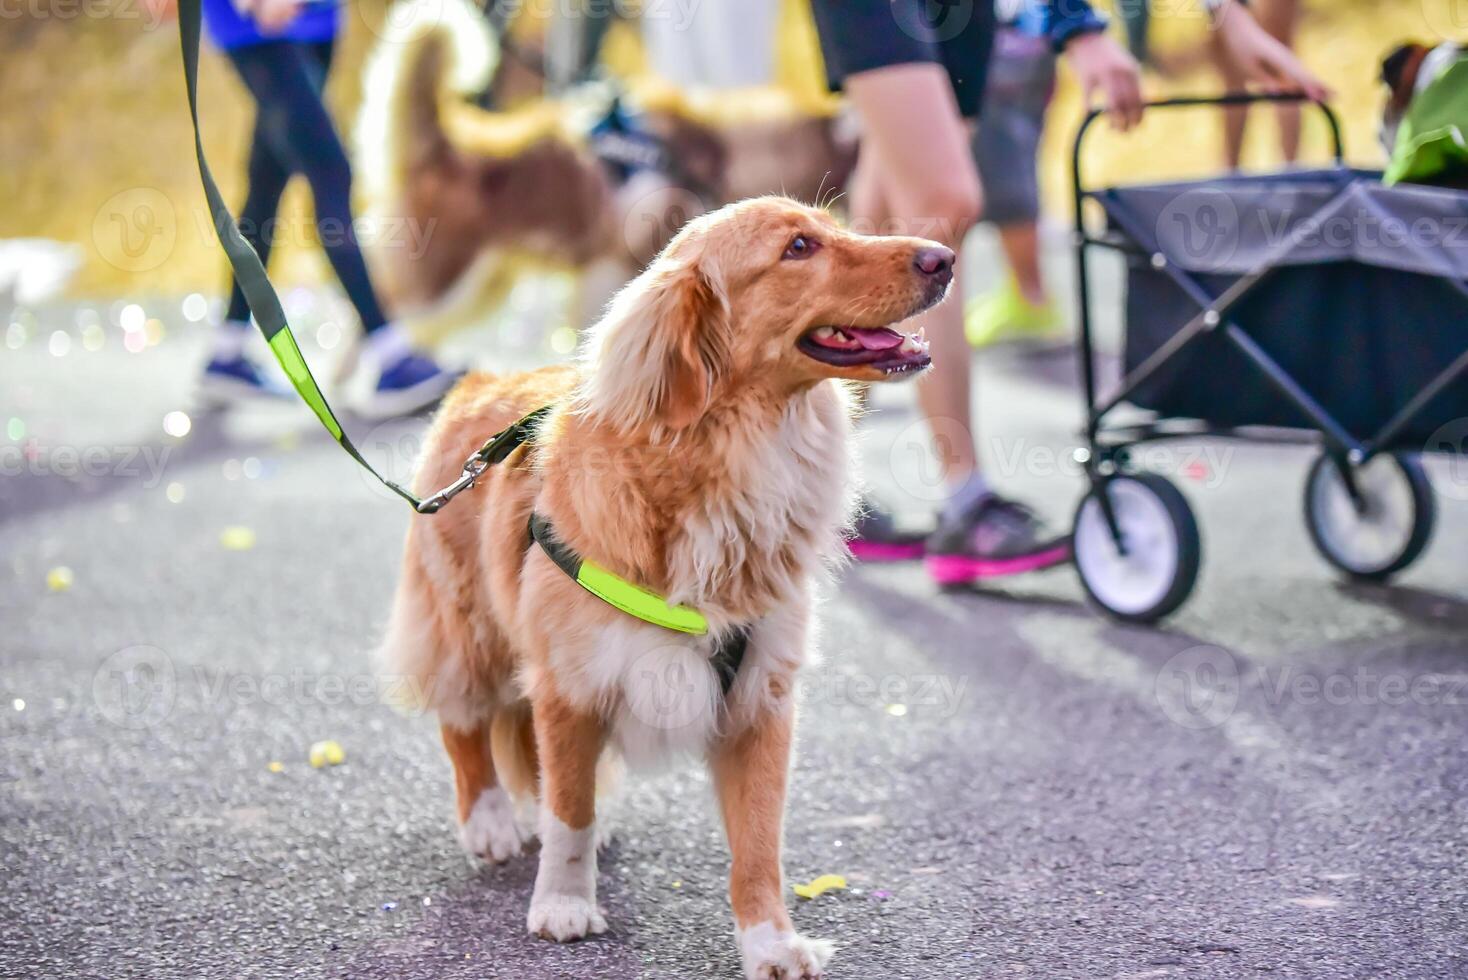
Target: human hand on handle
1104	68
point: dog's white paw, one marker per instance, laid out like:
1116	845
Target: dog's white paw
565	918
491	832
770	954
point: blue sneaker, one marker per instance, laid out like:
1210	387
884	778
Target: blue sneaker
233	379
411	384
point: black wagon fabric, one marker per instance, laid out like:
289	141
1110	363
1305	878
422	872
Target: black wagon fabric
1357	303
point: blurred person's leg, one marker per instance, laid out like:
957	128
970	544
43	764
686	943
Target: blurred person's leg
879	533
266	180
1021	79
1235	118
913	77
1021	243
1279	18
287	78
916	140
229	372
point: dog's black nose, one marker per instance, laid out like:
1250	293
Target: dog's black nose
936	262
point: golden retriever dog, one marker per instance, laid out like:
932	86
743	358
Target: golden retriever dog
700	449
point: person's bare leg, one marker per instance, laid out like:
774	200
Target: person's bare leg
868	210
1279	18
1234	117
913	133
1021	243
864	200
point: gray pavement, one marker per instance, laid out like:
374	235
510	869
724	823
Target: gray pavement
1272	783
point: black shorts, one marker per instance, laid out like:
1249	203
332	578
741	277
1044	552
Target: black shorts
860	35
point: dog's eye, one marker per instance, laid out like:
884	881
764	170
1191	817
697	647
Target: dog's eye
801	247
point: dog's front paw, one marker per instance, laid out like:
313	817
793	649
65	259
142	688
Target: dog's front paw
565	918
770	954
491	833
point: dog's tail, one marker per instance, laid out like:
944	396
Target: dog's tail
429	51
512	743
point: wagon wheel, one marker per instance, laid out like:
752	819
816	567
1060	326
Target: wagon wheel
1153	568
1379	529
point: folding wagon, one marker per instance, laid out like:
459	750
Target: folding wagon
1308	304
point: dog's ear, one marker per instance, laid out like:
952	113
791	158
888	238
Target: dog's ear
662	350
1394	66
694	348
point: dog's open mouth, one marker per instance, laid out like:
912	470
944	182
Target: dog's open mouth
880	347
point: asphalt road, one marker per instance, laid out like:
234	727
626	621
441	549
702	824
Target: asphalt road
1273	783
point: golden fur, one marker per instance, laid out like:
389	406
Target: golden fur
696	450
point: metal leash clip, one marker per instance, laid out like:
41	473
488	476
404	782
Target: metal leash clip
496	450
473	467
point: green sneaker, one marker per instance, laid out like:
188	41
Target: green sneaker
1007	315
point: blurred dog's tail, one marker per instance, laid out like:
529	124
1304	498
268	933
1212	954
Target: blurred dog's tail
512	743
429	51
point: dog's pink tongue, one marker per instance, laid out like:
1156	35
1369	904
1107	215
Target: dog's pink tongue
875	338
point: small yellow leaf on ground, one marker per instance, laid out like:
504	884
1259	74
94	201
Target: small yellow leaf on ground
820	886
276	767
59	579
327	753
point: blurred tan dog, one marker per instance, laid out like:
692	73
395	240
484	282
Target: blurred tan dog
461	195
699	449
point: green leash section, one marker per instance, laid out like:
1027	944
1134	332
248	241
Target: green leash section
250	273
270	316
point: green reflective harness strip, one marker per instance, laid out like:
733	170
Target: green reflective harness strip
249	272
640	603
612	589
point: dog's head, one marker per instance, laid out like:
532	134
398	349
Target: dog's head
765	294
1399	71
1407	72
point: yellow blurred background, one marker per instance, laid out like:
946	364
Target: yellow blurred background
95	146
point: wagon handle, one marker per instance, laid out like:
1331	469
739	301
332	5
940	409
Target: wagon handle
1228	99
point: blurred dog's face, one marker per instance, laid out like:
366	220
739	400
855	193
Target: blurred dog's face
806	300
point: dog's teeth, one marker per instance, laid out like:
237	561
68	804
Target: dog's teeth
825	333
841	335
910	345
